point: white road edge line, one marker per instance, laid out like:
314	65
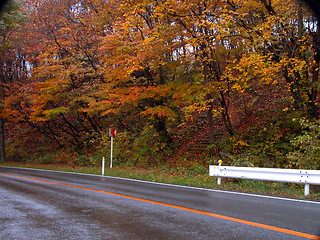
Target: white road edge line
175	185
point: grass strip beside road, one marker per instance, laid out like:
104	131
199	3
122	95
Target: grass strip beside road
187	178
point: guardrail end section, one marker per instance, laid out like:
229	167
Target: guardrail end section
214	170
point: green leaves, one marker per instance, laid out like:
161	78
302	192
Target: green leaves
307	146
52	113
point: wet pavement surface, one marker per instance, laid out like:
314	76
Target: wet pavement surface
32	209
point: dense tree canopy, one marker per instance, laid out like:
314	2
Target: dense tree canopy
198	79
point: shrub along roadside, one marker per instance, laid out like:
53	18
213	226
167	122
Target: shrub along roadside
184	177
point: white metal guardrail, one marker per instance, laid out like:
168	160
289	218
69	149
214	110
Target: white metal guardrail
302	176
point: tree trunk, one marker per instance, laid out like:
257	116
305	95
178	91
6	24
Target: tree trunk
160	126
2	136
225	114
312	107
208	98
210	119
2	139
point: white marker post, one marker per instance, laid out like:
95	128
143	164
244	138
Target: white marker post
111	151
112	134
102	166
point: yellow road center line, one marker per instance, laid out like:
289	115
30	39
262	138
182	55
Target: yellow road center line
283	230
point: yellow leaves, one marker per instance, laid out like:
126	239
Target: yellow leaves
252	67
160	111
238	143
241	143
202	107
293	64
198	107
250	5
51	113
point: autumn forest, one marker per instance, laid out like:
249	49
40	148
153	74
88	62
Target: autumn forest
185	83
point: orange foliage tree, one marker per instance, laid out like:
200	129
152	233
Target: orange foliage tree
93	64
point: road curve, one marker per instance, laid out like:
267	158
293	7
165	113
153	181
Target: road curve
38	204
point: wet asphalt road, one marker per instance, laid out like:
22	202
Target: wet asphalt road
33	209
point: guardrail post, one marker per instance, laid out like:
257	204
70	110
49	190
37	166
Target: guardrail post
102	166
306	189
219	178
